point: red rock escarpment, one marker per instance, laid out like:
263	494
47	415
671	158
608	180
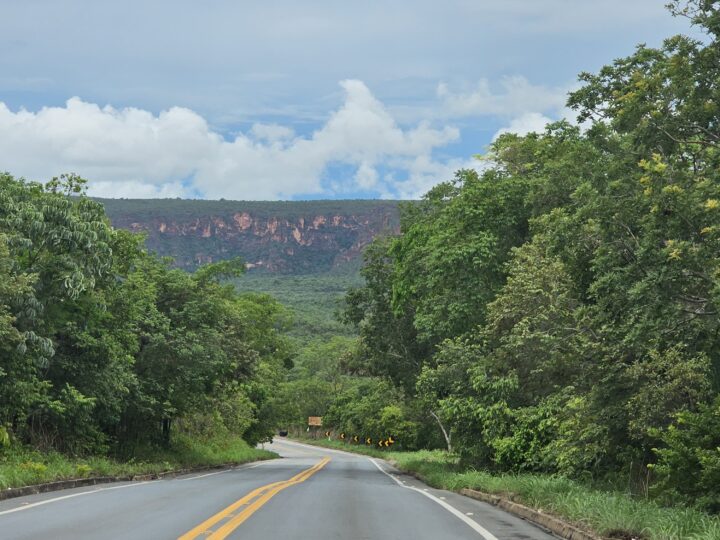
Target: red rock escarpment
291	243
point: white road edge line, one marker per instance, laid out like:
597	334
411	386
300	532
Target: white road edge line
202	475
55	499
482	531
239	468
134	484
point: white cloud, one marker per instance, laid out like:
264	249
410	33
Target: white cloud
516	96
366	176
524	124
363	129
104	144
134	153
271	132
138	190
424	173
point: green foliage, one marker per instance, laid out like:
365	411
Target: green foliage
35	470
388	340
448	262
104	347
21	466
311	299
325	374
223	270
689	459
667	384
83	470
556	312
372	408
4	437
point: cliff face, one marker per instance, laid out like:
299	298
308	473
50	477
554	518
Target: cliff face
284	237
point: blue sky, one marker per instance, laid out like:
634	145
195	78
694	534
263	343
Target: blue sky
289	100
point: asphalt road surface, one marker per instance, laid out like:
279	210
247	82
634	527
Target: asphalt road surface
312	493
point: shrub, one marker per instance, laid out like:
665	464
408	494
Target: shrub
689	463
83	470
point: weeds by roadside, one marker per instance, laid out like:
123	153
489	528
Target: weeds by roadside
21	466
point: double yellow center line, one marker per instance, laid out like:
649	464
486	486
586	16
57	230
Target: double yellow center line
252	502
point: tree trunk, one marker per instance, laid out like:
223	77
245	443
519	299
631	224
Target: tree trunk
166	423
446	434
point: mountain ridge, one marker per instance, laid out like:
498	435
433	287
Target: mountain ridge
286	237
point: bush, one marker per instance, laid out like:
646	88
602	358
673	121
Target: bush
4	437
35	469
689	463
373	408
83	470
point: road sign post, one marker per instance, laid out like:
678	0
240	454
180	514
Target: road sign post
314	422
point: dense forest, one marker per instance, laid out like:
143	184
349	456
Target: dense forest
558	312
106	348
312	301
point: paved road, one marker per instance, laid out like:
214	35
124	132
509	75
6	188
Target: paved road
310	494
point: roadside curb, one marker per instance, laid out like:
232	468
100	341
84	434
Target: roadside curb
551	523
11	493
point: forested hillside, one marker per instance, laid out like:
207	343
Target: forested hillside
558	313
299	237
313	301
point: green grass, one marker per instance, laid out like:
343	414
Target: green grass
21	466
608	513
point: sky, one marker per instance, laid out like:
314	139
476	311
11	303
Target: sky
288	99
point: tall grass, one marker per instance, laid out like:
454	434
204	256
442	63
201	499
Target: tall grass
20	466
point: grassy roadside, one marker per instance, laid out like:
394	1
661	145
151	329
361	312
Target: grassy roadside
23	467
611	514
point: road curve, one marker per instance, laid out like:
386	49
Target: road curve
312	493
